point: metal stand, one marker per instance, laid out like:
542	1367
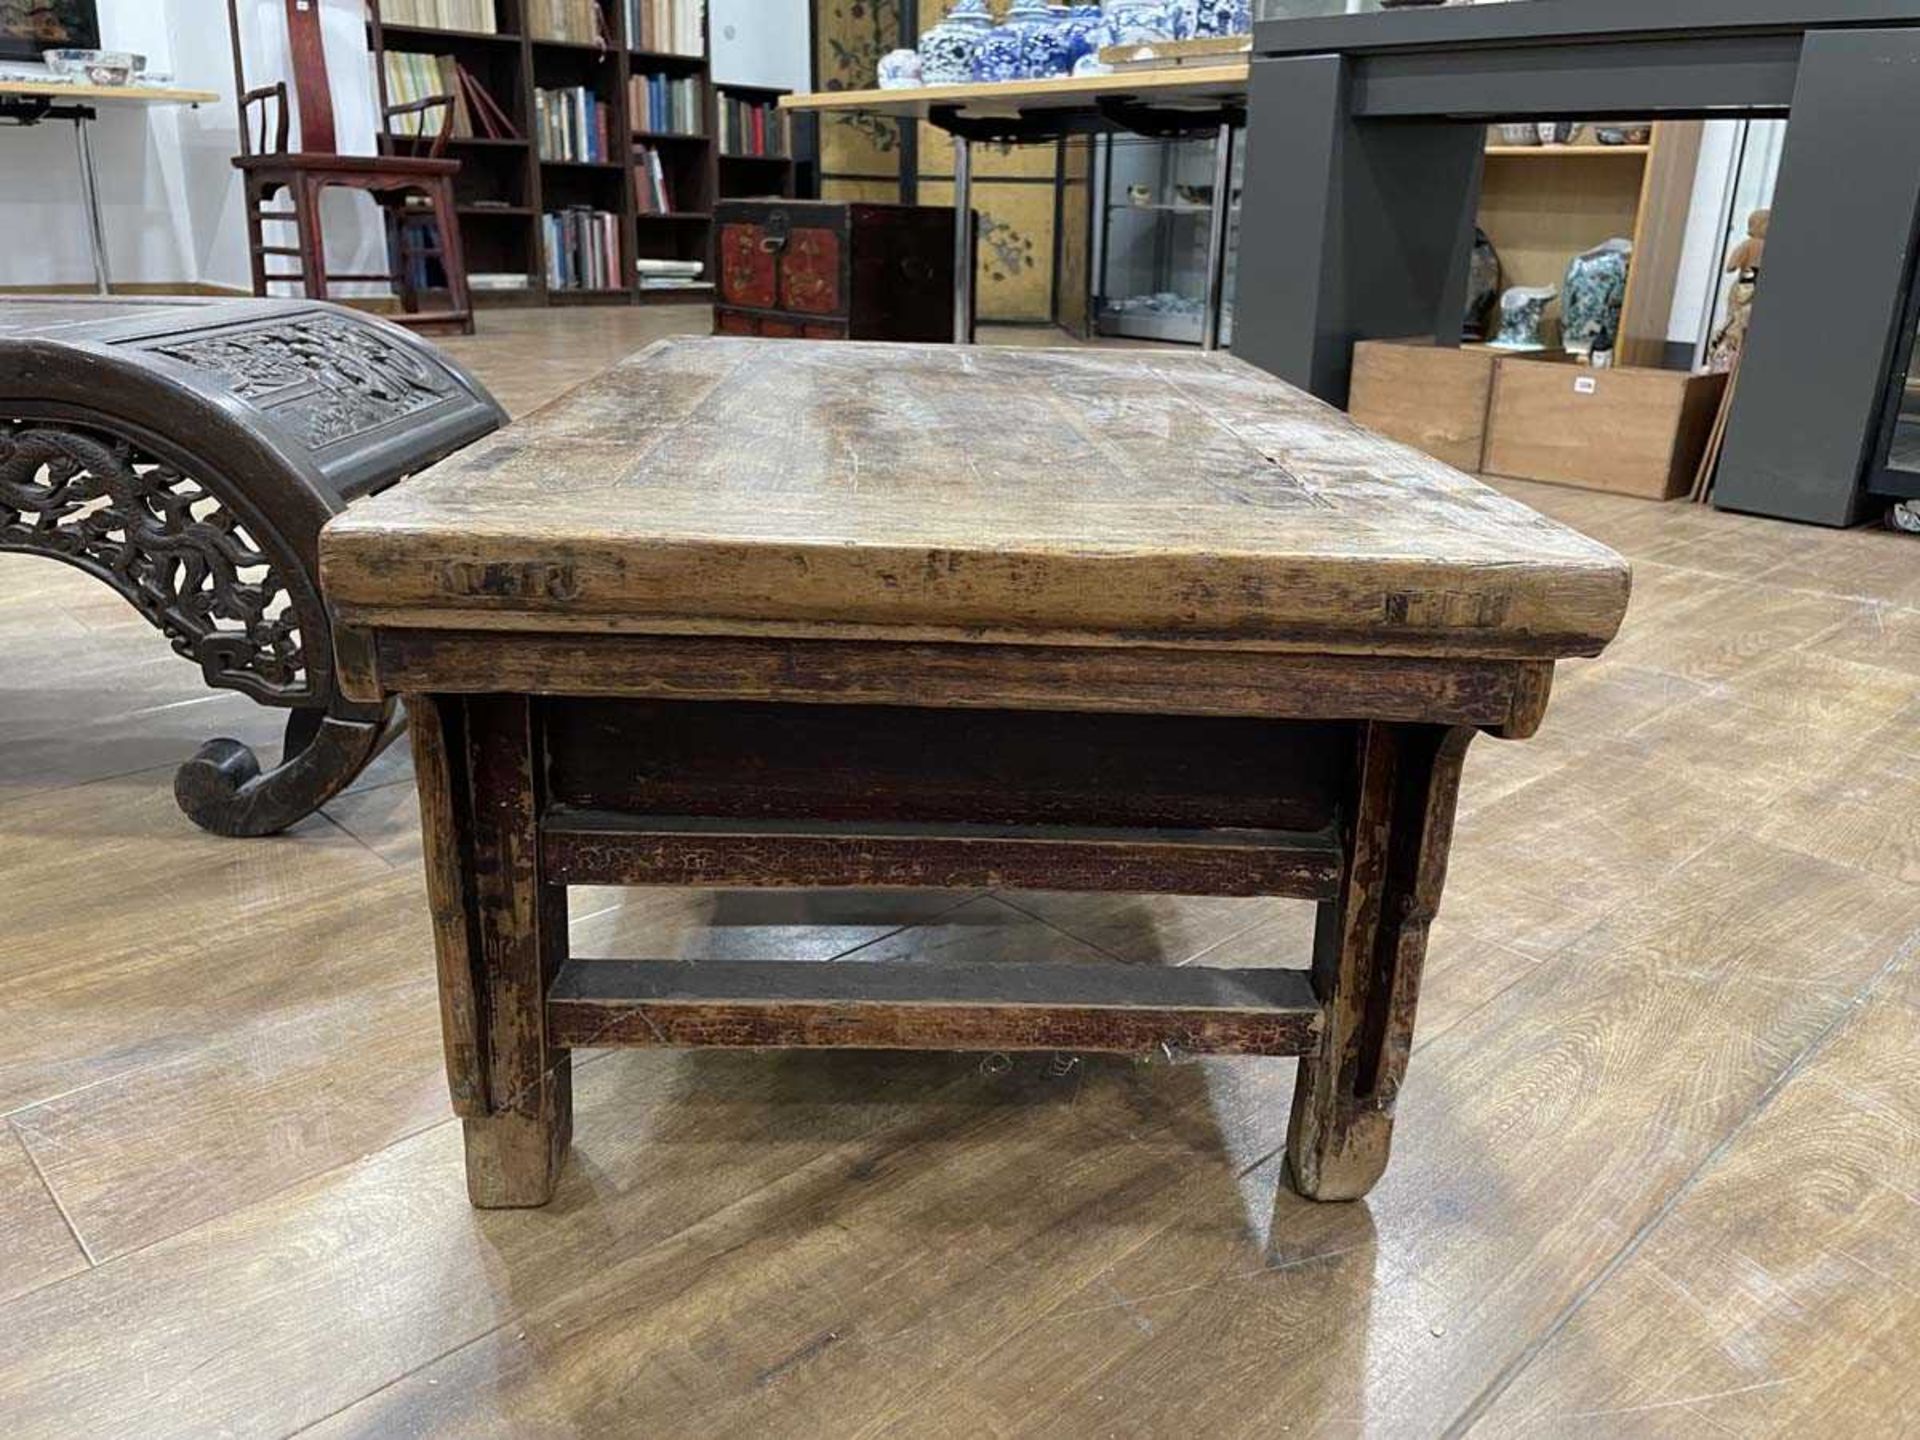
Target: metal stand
962	240
26	110
1112	114
90	190
1221	219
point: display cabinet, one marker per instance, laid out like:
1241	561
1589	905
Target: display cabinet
1151	206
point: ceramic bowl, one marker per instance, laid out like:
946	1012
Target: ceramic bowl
99	67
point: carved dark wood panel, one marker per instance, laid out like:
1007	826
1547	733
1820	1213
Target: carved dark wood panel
326	378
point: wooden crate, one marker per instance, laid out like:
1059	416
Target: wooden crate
1429	397
1630	431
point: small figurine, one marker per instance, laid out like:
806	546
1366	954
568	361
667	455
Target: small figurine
1744	265
1523	315
1748	254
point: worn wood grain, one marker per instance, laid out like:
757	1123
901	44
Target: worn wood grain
834	1244
440	758
1781	1295
1129	680
519	919
872	1005
957	491
593	847
36	1245
1369	951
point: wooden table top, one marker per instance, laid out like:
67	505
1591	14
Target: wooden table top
120	94
1196	84
745	486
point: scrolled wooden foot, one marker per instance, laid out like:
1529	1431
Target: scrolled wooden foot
223	790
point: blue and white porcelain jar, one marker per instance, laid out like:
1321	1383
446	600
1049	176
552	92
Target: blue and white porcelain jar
1140	22
1079	28
947	50
999	55
899	70
1043	39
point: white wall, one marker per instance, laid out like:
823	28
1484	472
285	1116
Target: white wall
169	193
138	164
761	42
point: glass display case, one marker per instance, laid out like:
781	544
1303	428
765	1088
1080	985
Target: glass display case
1895	473
1152	203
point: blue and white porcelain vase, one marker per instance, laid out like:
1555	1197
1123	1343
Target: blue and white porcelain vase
1596	293
1205	19
946	50
1140	22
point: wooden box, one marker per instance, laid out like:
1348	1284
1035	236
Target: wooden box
1629	431
826	270
1431	398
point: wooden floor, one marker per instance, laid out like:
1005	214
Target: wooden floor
1658	1169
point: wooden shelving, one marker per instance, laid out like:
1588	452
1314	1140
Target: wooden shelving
747	176
1556	152
507	236
1541	205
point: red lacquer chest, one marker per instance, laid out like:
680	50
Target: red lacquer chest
828	270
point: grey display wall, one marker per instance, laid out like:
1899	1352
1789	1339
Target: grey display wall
1363	175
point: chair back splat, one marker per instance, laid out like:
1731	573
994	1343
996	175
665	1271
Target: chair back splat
266	133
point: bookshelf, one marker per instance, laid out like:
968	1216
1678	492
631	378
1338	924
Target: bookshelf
507	186
742	173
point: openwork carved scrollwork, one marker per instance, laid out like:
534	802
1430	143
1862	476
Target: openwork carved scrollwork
174	549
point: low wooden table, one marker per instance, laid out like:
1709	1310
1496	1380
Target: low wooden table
777	613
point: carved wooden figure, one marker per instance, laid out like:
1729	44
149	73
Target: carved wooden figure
762	613
186	453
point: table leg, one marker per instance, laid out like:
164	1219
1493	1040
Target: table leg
90	192
1221	219
1368	953
500	933
962	241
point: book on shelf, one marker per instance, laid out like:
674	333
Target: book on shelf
412	78
475	15
576	22
751	127
652	194
582	249
666	104
671	27
499	280
657	274
572	124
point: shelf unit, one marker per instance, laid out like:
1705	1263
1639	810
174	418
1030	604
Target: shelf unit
744	177
1543	204
505	186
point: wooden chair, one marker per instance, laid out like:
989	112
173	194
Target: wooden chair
412	190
